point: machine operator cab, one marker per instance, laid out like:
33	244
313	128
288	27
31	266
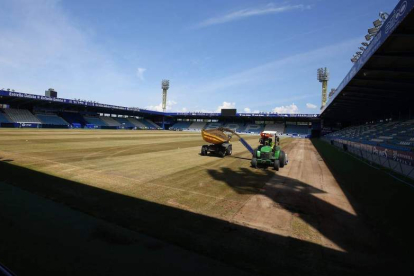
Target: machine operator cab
266	140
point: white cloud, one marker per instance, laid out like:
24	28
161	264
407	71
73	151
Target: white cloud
245	13
311	106
288	109
226	105
158	107
140	73
247	110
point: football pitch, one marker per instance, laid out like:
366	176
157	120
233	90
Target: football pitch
156	182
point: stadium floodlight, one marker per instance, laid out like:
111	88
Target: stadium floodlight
365	44
362	48
383	15
368	37
323	77
165	84
372	31
377	23
359	53
354	60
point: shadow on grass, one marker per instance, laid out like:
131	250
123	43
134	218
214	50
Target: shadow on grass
256	251
366	249
246	248
384	201
6	160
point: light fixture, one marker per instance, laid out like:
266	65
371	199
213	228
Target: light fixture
362	48
372	31
377	23
368	37
359	53
365	44
383	15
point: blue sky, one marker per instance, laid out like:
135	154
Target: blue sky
251	55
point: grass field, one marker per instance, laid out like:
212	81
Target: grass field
161	167
311	217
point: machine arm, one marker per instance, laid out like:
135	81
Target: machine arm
245	144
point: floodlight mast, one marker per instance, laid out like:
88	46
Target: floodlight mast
323	77
165	84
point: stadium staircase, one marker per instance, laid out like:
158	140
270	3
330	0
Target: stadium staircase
397	135
21	116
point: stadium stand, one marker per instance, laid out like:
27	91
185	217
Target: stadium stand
4	118
147	124
137	123
253	128
181	126
152	123
279	127
197	126
74	118
21	116
394	135
125	122
213	125
295	129
95	121
51	119
235	126
109	121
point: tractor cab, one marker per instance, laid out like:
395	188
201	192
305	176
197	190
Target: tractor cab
267	141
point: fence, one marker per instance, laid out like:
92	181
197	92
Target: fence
401	162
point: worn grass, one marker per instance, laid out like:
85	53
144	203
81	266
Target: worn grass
157	166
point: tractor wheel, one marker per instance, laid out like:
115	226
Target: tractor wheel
222	154
276	165
229	150
282	159
254	162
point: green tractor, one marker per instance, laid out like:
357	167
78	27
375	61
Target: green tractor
269	153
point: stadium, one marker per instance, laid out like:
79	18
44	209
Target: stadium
89	188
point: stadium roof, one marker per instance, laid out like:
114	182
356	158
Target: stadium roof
381	82
28	101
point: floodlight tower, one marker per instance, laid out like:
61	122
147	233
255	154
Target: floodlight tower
323	77
165	84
